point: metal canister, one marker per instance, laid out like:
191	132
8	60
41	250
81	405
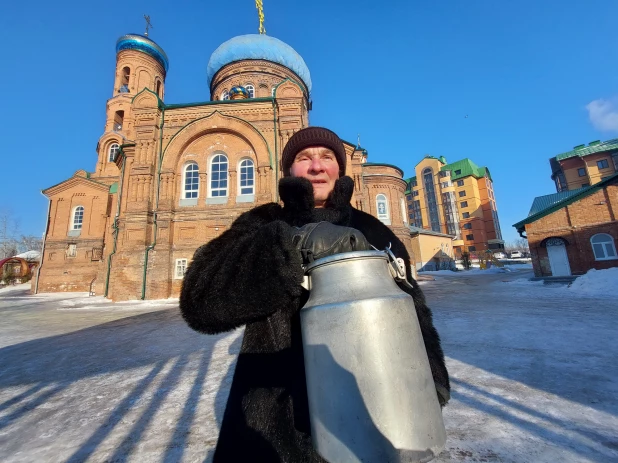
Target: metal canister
369	383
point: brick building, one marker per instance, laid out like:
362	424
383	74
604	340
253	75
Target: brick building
170	177
455	199
573	231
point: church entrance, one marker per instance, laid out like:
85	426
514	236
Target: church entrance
558	260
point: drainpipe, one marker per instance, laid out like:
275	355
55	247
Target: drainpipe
38	270
276	152
154	242
115	223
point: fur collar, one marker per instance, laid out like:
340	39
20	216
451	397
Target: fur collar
299	206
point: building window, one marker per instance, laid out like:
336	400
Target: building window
218	176
467	226
72	250
581	172
382	205
78	217
464	204
462	194
416	217
409	197
430	198
470	237
446	184
404	216
158	88
225	95
192	181
603	247
458	172
460	182
250	90
603	164
272	92
246	177
472	248
113	152
451	214
415	193
180	269
466	215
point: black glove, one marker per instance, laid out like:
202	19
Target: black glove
317	240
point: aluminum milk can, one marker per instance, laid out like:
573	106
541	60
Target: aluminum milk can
370	389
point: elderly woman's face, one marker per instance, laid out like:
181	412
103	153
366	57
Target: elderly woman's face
319	165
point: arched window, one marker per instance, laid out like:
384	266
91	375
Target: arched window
191	182
113	152
78	218
218	176
250	90
225	95
404	214
382	206
246	177
158	88
124	80
273	91
603	247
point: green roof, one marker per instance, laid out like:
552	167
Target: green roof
565	201
541	203
409	183
467	168
113	188
593	147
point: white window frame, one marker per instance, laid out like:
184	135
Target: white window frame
72	250
189	193
75	225
385	217
241	167
605	246
114	148
180	268
211	190
250	88
272	91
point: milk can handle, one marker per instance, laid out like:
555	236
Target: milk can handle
397	267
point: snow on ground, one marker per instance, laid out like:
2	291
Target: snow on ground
532	366
596	282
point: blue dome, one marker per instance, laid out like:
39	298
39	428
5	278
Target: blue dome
145	45
258	46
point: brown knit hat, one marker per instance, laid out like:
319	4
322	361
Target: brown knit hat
312	136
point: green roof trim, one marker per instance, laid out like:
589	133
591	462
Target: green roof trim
592	148
576	196
113	188
381	164
217	102
467	168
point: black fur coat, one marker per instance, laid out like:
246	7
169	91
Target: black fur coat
251	276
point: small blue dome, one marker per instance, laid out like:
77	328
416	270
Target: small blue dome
258	46
145	45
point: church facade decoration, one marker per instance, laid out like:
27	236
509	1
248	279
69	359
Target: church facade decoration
171	177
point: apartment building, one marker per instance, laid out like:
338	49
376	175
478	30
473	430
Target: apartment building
456	199
584	165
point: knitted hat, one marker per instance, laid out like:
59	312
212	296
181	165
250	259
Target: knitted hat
312	136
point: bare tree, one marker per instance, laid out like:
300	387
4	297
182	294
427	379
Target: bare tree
521	244
30	243
9	230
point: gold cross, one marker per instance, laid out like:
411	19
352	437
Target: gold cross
148	25
260	7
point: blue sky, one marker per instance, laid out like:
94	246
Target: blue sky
535	78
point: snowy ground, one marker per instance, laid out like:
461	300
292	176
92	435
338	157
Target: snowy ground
533	370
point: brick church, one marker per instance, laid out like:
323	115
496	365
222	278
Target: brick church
171	177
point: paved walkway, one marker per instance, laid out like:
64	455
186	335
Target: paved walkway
533	372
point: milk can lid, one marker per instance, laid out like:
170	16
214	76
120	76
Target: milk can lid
345	256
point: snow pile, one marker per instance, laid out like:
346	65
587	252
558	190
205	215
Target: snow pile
597	283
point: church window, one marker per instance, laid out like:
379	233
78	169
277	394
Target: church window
118	120
225	95
180	269
78	218
191	182
404	215
113	152
272	92
124	80
246	177
250	90
383	213
158	88
218	176
603	247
